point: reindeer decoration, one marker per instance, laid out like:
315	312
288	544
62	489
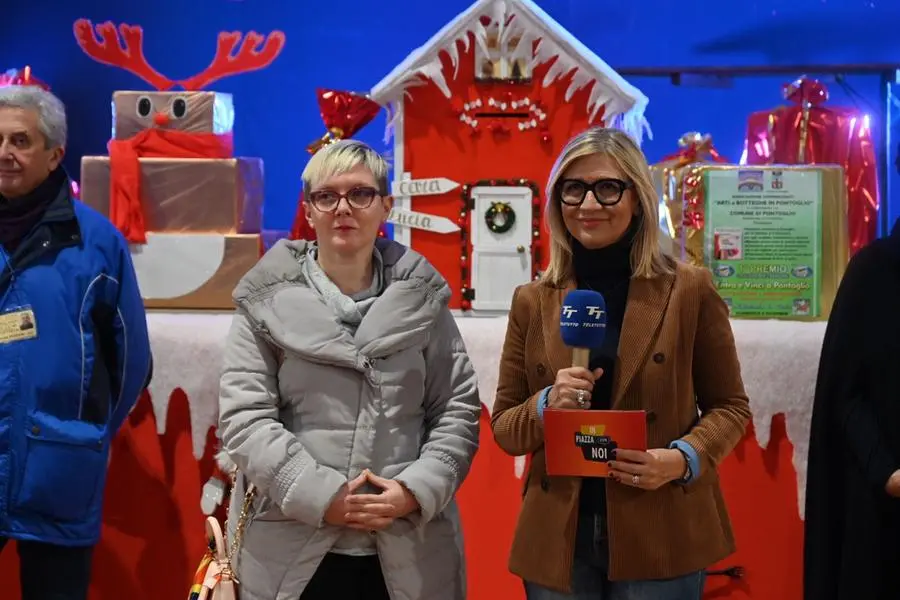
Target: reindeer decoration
147	128
171	184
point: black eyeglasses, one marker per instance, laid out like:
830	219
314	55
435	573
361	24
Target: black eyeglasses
607	191
328	200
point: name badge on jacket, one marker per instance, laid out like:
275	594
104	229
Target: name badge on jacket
17	326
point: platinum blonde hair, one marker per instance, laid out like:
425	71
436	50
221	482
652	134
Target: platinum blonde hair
647	258
50	109
342	156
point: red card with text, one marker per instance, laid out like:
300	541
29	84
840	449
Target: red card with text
579	443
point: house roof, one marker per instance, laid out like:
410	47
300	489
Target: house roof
623	103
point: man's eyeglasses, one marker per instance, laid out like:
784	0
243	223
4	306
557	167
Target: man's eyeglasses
608	192
328	200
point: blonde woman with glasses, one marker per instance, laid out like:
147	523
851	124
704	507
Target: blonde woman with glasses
648	532
349	402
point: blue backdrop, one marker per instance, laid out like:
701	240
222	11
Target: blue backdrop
352	44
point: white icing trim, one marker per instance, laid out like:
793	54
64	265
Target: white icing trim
188	354
623	103
779	361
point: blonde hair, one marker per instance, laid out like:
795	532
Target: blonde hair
647	258
340	157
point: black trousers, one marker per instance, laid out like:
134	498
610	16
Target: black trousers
49	572
347	578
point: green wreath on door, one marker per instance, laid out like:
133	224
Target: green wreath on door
500	217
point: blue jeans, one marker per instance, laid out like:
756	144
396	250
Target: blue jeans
591	582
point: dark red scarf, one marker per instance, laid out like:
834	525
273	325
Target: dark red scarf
126	208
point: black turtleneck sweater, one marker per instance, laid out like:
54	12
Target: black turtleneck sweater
608	271
18	216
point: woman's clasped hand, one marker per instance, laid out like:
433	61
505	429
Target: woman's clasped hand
370	512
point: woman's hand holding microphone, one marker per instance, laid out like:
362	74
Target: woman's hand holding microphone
573	388
648	470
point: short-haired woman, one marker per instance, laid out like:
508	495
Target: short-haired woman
656	524
348	400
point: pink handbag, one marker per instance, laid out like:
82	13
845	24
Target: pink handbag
214	579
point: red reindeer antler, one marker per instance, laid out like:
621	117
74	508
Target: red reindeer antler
249	57
110	50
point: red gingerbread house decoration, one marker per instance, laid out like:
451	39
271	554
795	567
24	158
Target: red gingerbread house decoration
478	115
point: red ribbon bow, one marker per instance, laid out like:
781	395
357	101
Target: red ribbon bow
344	113
695	147
805	92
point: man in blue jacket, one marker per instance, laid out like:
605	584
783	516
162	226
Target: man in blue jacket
74	351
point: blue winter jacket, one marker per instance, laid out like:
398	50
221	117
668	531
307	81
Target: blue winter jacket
65	391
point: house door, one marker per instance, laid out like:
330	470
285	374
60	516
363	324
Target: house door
501	261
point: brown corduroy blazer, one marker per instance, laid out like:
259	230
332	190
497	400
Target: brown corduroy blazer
676	355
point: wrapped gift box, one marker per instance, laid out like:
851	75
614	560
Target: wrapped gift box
187	195
775	237
193	270
193	112
693	148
